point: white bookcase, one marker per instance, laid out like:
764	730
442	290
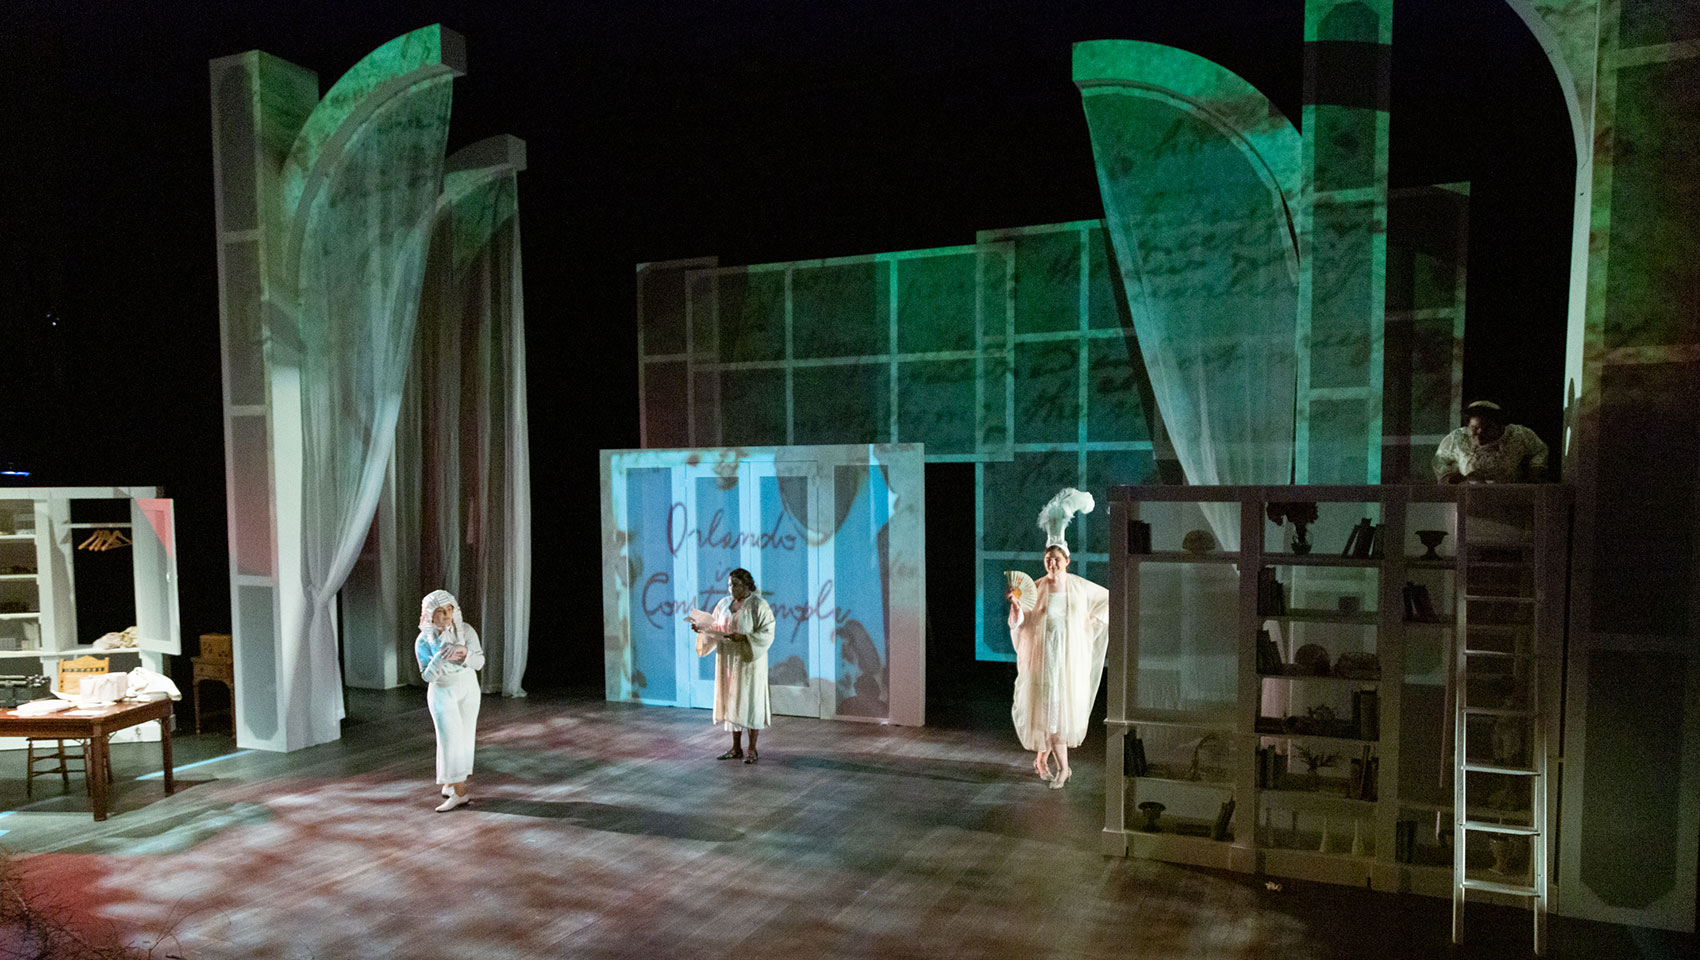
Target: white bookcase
1338	759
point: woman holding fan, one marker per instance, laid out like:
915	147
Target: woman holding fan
1059	626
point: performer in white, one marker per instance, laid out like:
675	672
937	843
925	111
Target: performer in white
738	633
1059	647
449	656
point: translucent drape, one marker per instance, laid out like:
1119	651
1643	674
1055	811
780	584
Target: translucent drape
361	261
1191	166
471	512
1198	173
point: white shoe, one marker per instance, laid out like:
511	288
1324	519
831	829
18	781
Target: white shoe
447	790
1060	779
453	801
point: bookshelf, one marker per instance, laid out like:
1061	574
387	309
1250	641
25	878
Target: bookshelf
1313	719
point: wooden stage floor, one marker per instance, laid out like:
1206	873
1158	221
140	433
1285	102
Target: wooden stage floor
607	830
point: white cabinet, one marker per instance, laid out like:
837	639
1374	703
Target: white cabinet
41	531
1290	709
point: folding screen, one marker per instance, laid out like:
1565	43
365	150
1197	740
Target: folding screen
835	538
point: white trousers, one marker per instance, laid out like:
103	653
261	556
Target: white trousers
454	712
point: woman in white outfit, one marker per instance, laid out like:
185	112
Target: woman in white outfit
1059	648
449	657
739	637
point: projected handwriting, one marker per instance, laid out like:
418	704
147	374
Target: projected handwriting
680	532
660	607
801	613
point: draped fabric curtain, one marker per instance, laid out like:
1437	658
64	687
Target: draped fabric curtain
361	262
1204	256
471	512
1197	172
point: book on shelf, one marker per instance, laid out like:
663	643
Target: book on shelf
1268	767
1360	784
1405	841
1138	536
1375	546
1360	540
1418	605
1224	817
1133	756
1271	594
1268	655
1366	714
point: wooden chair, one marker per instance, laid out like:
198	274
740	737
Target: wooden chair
69	675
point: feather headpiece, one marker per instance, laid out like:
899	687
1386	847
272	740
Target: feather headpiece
1054	517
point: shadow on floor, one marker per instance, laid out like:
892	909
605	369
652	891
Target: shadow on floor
615	819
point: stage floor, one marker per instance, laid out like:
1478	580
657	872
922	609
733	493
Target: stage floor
608	830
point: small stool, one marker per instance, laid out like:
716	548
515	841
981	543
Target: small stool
215	664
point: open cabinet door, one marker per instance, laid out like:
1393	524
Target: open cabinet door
154	536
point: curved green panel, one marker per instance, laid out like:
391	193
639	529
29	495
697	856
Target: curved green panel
1238	110
479	193
1199	174
392	70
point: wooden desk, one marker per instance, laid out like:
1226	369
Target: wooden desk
95	726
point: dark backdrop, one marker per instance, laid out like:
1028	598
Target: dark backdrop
753	131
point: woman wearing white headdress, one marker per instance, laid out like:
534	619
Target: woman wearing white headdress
1059	647
449	657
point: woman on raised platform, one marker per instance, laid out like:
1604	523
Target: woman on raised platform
739	633
449	657
1059	648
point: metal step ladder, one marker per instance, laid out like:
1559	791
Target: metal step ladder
1499	726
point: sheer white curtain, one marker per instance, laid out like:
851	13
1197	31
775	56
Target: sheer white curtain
471	511
361	262
1197	212
1196	171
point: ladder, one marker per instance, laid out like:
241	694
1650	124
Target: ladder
1499	760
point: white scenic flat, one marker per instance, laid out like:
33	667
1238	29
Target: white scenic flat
454	801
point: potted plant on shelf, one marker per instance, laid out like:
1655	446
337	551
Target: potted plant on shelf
1302	514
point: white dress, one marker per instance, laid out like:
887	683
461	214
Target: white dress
1059	657
452	695
740	669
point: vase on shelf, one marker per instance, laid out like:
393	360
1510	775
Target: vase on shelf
1301	543
1431	539
1152	810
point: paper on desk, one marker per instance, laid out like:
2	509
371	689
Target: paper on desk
41	708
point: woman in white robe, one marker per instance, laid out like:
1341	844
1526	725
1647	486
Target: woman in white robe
450	655
739	636
1059	651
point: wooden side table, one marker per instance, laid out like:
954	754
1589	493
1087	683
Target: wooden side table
216	665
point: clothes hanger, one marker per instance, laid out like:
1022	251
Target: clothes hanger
104	539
